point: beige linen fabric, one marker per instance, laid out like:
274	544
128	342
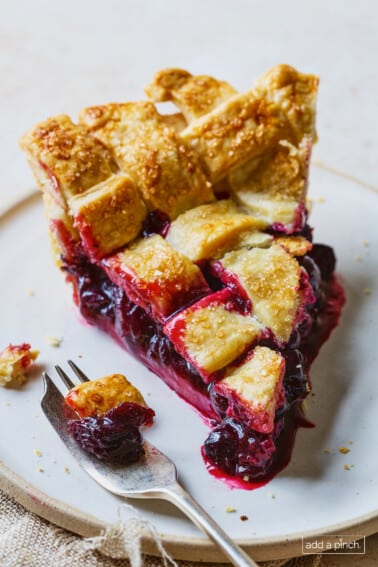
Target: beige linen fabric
29	541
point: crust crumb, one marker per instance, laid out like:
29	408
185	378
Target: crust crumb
15	361
344	450
53	341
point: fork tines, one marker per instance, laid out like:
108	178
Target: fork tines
66	379
79	373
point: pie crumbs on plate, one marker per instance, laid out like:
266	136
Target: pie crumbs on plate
15	361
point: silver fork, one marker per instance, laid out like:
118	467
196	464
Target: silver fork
155	476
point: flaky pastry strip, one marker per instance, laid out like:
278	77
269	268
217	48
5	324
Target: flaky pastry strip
166	170
252	123
65	158
194	95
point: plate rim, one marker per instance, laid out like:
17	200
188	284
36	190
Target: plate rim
81	523
180	547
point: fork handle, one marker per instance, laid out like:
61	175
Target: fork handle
178	496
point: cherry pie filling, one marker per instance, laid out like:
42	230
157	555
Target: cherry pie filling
232	450
115	436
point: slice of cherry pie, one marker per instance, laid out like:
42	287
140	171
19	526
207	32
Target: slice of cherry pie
185	237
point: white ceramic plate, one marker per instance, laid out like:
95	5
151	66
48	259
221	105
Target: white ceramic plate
313	494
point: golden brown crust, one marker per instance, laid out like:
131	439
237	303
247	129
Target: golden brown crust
250	239
175	121
271	278
214	336
243	127
255	145
96	397
279	175
167	172
272	186
109	215
262	141
256	386
209	230
295	245
165	82
156	276
155	261
211	336
280	107
193	95
65	158
295	93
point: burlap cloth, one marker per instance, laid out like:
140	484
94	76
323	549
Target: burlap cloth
29	541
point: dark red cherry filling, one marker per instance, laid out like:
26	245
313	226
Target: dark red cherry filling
115	436
231	447
239	451
325	259
130	413
307	232
313	272
295	382
156	222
